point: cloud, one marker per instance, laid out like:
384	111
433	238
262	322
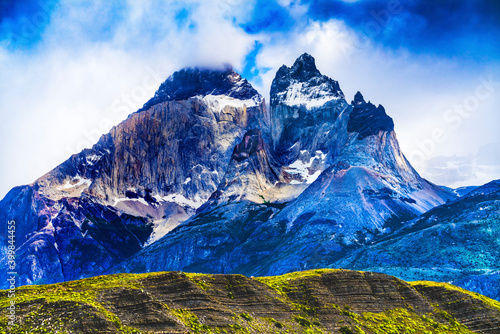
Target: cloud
93	65
465	29
472	169
90	64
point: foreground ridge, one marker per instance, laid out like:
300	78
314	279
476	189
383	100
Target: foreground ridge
314	301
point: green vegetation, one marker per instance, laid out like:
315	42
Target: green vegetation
399	321
488	301
61	308
190	320
281	283
201	280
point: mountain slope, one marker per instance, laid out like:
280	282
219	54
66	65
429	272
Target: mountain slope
457	242
320	301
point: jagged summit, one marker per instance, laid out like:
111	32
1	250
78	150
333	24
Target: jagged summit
366	119
358	99
303	85
190	82
304	68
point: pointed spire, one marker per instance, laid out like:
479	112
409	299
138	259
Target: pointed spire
358	99
304	67
366	119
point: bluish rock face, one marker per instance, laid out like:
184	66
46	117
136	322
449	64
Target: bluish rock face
73	238
456	242
204	178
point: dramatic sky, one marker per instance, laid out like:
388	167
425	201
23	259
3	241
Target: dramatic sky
71	69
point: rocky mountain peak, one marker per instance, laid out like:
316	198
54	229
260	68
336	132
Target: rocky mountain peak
358	99
303	85
304	68
190	82
366	119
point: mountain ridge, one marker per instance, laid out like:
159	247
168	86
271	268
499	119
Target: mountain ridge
323	301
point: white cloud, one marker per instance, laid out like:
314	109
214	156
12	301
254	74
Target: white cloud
78	82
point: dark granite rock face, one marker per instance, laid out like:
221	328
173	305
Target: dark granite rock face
251	143
191	82
368	120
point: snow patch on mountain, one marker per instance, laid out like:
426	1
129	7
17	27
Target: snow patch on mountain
220	102
302	94
303	170
77	181
181	200
92	159
123	199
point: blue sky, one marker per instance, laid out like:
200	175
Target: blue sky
69	69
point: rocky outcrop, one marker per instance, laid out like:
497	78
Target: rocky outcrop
249	173
368	120
321	301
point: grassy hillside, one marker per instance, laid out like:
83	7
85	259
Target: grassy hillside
316	301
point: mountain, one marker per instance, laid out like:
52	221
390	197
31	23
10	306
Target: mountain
307	116
205	178
318	301
457	242
461	191
331	179
143	178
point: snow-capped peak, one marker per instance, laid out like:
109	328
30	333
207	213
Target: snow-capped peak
303	85
191	82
